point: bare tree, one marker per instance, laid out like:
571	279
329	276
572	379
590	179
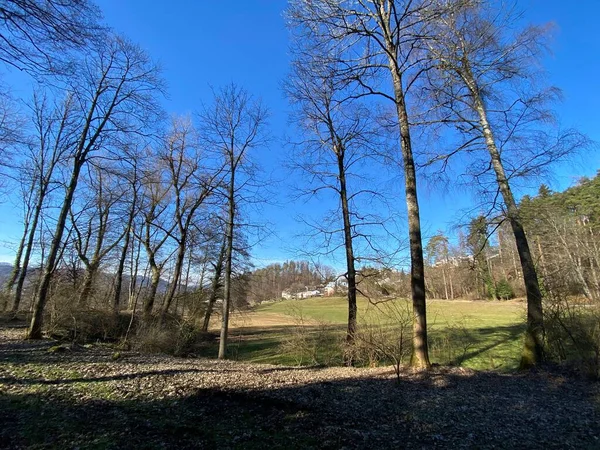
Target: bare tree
131	175
376	38
216	283
114	94
338	136
192	183
234	125
486	84
94	225
157	227
48	150
11	138
36	35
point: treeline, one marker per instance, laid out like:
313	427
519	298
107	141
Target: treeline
563	229
269	282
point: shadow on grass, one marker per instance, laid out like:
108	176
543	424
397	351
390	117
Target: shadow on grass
473	343
483	348
440	409
264	344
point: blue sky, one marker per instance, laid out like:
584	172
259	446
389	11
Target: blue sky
205	43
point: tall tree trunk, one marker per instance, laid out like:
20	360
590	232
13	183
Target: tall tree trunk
420	356
116	300
214	290
445	282
28	249
350	269
121	267
35	328
228	267
86	285
533	350
133	273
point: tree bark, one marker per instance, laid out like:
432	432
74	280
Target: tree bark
116	300
121	267
150	298
35	328
533	350
228	265
350	268
16	270
214	291
420	356
176	276
28	249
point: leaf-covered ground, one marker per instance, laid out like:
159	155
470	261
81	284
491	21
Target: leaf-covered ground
58	397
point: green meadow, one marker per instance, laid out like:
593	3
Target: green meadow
483	335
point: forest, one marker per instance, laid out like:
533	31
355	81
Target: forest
138	230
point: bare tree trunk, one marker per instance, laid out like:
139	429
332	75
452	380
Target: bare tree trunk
420	356
121	267
350	269
445	283
16	270
228	267
116	300
86	285
133	273
35	328
149	300
533	351
215	285
28	249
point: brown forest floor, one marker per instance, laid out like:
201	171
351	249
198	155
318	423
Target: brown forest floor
82	397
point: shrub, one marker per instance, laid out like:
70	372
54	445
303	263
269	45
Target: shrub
573	334
385	337
173	337
89	325
504	290
308	343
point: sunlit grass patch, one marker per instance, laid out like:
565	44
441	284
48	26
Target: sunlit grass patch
479	335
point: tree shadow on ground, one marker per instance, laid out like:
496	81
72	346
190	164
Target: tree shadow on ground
83	399
439	409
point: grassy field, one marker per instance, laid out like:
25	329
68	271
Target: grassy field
479	335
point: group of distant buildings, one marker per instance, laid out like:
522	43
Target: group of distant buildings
326	290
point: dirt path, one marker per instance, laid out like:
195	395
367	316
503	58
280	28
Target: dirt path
94	398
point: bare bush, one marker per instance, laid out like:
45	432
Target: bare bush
173	337
307	342
385	337
87	325
572	331
452	347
